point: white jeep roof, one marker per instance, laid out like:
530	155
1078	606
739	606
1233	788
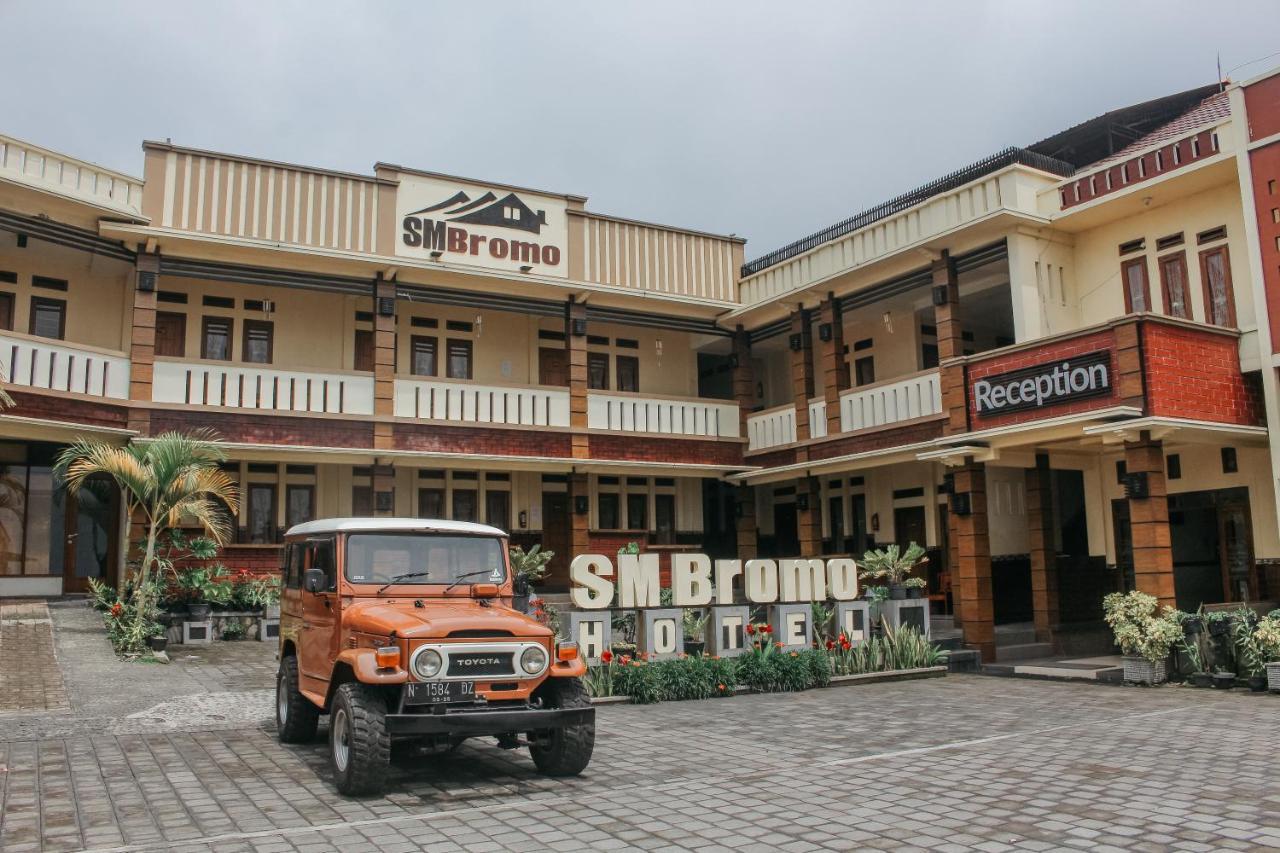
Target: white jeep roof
400	525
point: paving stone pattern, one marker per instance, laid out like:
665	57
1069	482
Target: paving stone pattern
962	763
29	676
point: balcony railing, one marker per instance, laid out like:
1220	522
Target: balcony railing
52	172
890	402
439	400
244	387
59	366
666	416
771	428
818	418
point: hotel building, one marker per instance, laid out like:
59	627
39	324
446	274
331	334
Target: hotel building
1055	367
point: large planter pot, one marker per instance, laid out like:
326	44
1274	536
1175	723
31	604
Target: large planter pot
1258	683
1192	625
694	647
914	592
897	592
1200	679
1220	628
1273	676
271	611
1142	671
199	612
1224	680
158	644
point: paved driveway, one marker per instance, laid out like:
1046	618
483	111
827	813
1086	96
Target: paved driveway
966	762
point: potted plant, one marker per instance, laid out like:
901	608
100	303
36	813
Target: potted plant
892	566
1145	636
1219	624
1267	637
261	594
1251	652
915	587
1223	680
158	642
1192	624
527	568
191	585
695	625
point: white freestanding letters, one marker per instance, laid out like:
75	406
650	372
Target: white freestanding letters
691	580
791	626
726	571
638	584
591	631
590	589
659	634
725	631
842	579
761	581
802	580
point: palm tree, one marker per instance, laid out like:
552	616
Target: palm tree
5	400
169	477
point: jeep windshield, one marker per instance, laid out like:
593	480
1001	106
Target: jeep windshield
423	558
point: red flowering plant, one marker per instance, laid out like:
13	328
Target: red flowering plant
600	676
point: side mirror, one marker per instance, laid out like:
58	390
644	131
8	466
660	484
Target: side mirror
313	580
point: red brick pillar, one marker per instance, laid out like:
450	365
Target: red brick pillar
575	344
946	315
579	522
801	345
809	517
142	340
744	380
1149	520
1044	552
835	369
973	543
384	364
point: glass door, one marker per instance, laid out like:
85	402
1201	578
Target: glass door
93	543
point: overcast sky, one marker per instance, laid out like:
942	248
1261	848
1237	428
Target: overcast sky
768	120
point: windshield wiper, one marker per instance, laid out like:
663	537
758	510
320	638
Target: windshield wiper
398	578
460	578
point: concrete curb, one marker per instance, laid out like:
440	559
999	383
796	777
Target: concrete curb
836	681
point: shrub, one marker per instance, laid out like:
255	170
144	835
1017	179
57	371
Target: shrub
1267	636
1139	629
233	631
101	595
892	565
639	680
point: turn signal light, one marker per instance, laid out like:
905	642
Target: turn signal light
388	657
567	651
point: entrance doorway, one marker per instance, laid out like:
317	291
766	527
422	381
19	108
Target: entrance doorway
553	366
92	547
556	537
786	530
908	526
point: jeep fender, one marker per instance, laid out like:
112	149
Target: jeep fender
365	668
575	668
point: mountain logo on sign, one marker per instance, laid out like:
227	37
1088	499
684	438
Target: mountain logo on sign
506	212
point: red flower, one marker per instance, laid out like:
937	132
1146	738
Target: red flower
843	638
606	656
793	654
830	645
751	629
779	645
117	609
721	686
768	629
845	644
626	659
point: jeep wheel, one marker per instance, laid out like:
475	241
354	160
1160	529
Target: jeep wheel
359	748
296	717
568	751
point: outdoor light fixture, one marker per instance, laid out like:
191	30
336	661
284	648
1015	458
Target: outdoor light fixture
435	254
22	241
386	306
940	294
524	518
961	503
146	282
526	268
578	327
875	522
1136	485
824	332
802	502
581	505
797	342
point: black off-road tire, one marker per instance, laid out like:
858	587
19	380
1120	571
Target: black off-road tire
296	716
357	720
569	750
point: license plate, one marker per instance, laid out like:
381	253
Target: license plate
435	692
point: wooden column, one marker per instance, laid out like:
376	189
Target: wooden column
384	363
946	317
1149	520
1043	548
575	344
809	521
744	380
142	340
579	522
835	370
800	342
745	522
973	543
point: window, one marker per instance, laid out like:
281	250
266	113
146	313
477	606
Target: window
1215	272
215	341
362	500
6	311
628	373
300	503
376	558
464	505
48	317
256	348
459	353
637	511
363	358
1173	283
928	356
320	556
431	503
864	370
497	509
171	334
1136	294
598	371
422	356
664	511
262	513
607	513
293	566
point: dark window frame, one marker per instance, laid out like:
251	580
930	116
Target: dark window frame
182	339
1226	281
1163	262
273	518
463	347
430	344
261	325
289	489
1125	266
38	302
616	500
598	361
205	323
8	299
632	364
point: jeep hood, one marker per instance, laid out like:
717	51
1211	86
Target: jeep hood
437	618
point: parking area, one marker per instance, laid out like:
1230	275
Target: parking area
184	757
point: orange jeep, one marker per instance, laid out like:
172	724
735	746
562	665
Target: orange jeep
401	630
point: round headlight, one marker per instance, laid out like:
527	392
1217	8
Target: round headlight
534	660
426	664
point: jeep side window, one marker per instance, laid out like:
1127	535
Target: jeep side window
293	567
320	556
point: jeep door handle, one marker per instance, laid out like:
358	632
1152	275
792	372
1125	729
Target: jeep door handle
306	624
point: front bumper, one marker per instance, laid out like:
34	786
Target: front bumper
477	721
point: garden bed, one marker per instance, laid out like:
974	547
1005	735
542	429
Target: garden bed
862	678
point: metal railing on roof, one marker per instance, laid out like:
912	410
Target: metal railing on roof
995	162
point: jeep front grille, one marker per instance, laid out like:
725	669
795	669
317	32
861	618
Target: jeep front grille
481	663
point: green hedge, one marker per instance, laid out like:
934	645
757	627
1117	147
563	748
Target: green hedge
704	677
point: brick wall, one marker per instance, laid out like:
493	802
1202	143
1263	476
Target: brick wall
608	543
450	439
1195	373
255	559
635	448
248	427
877	440
66	409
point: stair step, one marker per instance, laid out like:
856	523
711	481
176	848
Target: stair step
1023	651
964	660
1015	635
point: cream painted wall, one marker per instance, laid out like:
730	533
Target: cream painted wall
97	293
1097	259
1007	510
1043	284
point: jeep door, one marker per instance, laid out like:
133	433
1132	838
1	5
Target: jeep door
319	635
